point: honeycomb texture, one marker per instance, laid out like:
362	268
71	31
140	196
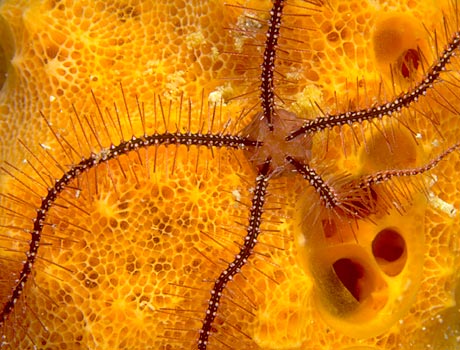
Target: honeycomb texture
132	247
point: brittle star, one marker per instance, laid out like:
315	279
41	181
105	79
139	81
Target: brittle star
276	142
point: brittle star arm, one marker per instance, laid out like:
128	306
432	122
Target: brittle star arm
135	143
386	175
404	100
267	93
250	241
326	192
346	196
351	201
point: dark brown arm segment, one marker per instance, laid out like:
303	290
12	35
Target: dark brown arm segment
267	93
250	241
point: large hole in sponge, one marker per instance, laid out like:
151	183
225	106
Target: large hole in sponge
389	249
399	42
409	62
350	273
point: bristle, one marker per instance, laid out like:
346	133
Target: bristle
57	138
82	129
